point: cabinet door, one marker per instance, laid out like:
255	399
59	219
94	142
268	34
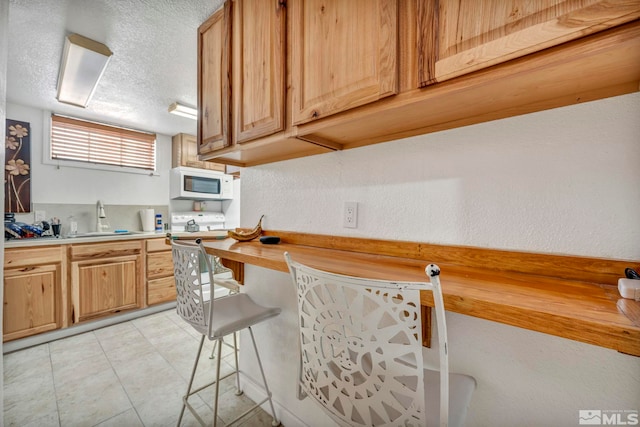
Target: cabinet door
343	55
32	301
185	153
104	286
476	34
214	95
258	68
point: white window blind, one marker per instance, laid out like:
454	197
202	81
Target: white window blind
90	142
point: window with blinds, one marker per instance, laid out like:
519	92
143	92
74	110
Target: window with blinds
84	141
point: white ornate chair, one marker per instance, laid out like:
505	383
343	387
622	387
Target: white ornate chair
214	318
361	351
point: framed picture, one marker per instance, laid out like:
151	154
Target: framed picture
17	173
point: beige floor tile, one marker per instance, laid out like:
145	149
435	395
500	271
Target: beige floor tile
152	414
21	365
74	372
142	377
92	400
230	405
128	418
114	331
259	419
29	400
77	347
117	336
129	374
47	420
129	350
154	324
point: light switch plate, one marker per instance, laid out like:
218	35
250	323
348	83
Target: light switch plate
41	216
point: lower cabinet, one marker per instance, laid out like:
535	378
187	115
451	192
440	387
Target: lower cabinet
161	286
52	287
34	291
106	278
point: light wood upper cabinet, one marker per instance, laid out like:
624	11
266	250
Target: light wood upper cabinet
241	77
343	54
345	60
477	34
214	67
34	291
185	153
258	69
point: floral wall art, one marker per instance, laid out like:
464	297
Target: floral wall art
17	176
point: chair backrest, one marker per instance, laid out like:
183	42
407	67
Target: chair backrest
191	306
361	346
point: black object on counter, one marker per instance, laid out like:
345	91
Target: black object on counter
270	240
631	273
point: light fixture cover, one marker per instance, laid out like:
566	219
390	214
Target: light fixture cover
83	63
183	110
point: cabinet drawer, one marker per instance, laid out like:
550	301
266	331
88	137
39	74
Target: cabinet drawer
105	250
161	290
159	264
33	256
157	245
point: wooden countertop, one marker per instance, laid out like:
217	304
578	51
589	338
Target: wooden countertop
517	291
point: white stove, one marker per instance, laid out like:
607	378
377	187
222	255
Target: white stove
208	221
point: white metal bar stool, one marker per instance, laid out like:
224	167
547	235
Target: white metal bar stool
214	318
361	351
224	280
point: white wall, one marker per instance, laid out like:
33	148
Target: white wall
70	185
559	181
4	47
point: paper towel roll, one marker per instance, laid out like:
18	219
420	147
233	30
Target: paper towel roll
147	218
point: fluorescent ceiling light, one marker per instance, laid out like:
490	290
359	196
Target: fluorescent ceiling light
83	63
183	110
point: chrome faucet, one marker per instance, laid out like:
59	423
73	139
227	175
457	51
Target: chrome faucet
101	224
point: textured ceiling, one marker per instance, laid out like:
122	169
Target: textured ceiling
154	62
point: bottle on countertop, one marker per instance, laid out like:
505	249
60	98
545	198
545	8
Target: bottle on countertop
159	222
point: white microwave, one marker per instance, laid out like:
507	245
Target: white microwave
200	184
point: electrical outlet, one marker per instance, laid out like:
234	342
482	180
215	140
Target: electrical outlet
41	216
350	217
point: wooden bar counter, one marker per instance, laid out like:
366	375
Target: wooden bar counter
567	296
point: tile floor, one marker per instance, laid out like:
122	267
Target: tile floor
130	374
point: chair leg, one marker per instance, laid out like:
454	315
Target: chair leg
193	374
235	355
213	350
275	421
215	402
